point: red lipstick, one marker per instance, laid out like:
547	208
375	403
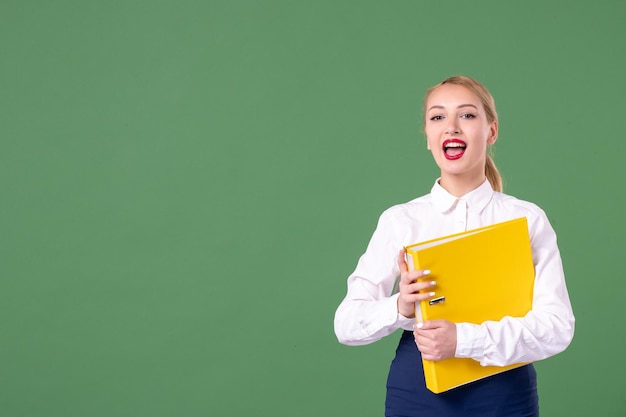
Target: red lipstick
453	148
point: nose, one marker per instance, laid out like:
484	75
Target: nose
452	126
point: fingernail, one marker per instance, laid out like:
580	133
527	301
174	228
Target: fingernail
431	294
426	272
419	325
433	283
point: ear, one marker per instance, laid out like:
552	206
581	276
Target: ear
493	133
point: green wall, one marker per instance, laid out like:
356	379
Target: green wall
186	185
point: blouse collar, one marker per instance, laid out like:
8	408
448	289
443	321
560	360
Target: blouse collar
477	199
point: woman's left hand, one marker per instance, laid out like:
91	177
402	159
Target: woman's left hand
436	339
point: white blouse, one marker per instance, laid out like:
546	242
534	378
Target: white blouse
369	311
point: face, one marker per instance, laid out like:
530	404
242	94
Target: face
458	132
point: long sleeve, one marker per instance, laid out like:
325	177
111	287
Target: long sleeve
545	331
369	311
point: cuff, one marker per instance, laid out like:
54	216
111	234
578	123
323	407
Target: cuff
396	318
470	341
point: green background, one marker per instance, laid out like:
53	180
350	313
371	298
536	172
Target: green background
186	185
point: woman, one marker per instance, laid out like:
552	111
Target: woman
460	123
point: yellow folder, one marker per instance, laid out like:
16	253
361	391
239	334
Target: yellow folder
482	274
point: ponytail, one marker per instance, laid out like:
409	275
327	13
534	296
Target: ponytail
492	174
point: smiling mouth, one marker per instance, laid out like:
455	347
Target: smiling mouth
454	148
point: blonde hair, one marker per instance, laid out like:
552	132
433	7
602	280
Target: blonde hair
491	171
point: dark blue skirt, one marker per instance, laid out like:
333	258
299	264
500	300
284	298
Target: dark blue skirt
509	394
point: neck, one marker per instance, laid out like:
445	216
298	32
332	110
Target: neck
458	186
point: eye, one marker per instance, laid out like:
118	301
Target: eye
436	118
468	116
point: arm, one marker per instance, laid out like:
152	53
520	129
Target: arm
545	331
370	309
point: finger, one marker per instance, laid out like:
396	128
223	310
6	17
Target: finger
420	290
435	324
405	268
424	336
422	296
425	345
431	324
420	335
402	261
416	279
422	285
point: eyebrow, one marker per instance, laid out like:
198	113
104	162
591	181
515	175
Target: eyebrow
458	107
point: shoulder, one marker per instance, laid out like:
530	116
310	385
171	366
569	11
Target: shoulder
537	219
408	210
401	219
522	206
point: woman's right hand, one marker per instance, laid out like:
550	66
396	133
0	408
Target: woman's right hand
410	287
